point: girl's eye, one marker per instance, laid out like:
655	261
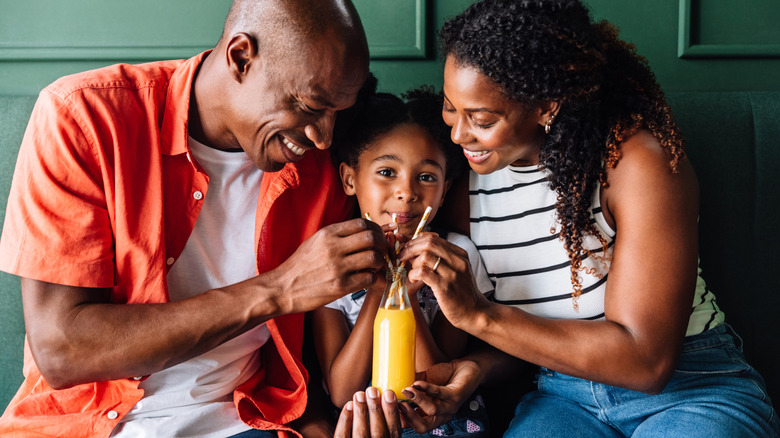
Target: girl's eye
427	177
385	172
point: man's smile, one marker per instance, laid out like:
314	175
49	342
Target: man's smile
295	149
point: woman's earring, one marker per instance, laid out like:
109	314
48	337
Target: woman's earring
548	125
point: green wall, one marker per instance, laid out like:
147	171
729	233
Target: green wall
41	40
732	45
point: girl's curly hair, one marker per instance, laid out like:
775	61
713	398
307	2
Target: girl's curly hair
540	51
379	113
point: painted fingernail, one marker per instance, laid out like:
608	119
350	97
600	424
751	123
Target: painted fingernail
389	396
417	387
372	393
408	394
360	396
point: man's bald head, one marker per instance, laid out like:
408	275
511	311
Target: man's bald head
276	79
281	26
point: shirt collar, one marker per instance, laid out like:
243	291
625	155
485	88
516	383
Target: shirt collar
173	131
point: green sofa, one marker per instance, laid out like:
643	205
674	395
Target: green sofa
734	144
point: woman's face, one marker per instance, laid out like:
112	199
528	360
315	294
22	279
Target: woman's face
493	130
401	172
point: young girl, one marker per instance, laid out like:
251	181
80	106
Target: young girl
397	160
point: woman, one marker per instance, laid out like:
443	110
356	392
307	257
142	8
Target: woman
584	209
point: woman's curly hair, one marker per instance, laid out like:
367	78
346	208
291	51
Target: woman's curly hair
550	50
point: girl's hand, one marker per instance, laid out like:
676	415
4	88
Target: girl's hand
446	269
368	415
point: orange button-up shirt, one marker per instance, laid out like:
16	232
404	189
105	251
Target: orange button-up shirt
105	195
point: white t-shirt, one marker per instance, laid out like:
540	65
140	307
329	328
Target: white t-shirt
350	305
195	398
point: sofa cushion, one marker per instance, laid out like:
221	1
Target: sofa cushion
733	141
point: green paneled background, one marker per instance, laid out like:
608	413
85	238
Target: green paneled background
729	45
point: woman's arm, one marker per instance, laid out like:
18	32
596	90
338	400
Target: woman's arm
648	294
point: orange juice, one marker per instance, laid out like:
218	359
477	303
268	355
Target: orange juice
394	338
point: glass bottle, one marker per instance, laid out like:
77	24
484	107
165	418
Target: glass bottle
394	337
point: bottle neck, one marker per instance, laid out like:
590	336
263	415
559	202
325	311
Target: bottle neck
396	295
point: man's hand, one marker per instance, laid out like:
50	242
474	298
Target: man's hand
336	260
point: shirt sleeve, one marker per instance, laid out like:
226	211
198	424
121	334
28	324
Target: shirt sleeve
349	305
57	227
477	266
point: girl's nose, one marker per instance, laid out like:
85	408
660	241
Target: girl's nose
405	191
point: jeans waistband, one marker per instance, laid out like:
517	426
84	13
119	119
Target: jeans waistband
723	334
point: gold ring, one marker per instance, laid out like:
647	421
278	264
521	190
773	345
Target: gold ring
436	265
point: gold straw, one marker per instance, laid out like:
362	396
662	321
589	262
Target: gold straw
422	222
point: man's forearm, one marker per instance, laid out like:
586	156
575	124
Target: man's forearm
76	336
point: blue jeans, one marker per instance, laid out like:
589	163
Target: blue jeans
713	393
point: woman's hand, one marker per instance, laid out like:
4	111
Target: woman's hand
440	392
369	416
451	281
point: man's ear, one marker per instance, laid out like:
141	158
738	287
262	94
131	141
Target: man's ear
347	179
241	53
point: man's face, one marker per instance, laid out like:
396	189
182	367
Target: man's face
287	106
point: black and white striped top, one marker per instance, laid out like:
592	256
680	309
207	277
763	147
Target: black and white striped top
512	216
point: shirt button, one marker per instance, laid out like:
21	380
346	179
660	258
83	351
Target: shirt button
112	415
169	262
474	405
198	195
139	377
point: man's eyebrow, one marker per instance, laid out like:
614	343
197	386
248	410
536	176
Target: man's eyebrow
475	110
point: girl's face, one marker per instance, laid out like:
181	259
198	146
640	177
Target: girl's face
493	130
401	172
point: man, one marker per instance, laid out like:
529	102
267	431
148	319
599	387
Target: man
145	202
